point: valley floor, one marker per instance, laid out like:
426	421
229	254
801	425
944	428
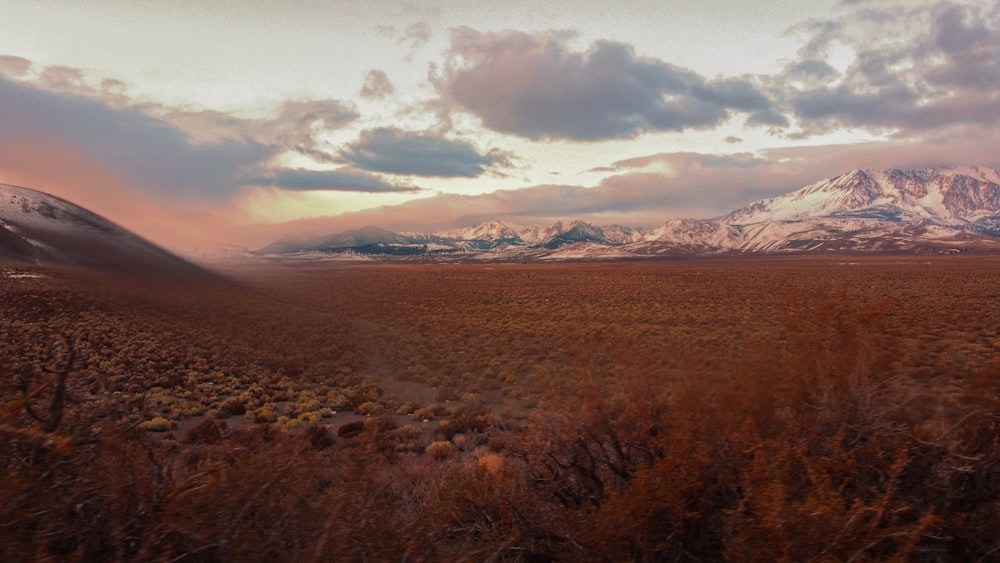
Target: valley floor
833	408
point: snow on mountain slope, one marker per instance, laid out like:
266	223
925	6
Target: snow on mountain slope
707	232
585	251
863	210
38	227
944	196
537	235
978	172
873	210
490	230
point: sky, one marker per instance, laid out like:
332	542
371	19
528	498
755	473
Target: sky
224	121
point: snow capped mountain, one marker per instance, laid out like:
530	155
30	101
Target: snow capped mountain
862	210
490	230
693	232
870	208
538	235
37	227
577	232
941	196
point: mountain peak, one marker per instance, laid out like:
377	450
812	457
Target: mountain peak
940	195
492	230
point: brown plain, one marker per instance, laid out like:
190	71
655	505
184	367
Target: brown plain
836	408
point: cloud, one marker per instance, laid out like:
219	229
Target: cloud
535	86
62	79
377	85
916	68
167	152
294	127
383	30
330	180
395	151
810	70
144	150
416	36
705	185
689	160
14	66
647	190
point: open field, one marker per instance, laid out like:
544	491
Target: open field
834	408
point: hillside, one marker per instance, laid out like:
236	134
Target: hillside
39	228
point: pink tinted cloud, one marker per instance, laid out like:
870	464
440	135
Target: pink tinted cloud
377	85
14	66
537	86
696	186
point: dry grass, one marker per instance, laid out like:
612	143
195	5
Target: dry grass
761	409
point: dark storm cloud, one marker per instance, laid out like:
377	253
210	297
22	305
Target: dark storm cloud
395	151
377	85
329	180
143	149
916	68
535	86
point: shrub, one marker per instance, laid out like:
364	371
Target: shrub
424	414
409	433
368	408
440	450
446	394
233	406
310	417
472	419
408	407
265	415
157	424
472	399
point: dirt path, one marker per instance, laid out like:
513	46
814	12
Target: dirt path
378	368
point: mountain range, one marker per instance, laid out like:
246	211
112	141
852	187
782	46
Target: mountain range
43	229
929	209
922	210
